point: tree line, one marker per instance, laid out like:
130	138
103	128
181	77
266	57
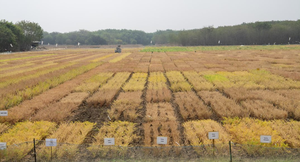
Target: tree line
100	37
19	36
258	33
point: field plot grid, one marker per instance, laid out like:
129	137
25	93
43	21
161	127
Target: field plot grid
155	103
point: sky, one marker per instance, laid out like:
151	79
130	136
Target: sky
146	15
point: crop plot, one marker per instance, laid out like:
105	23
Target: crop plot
157	90
136	83
248	131
222	106
161	128
178	82
198	82
191	107
108	91
159	112
91	85
264	110
3	127
22	132
69	136
121	131
62	109
196	133
127	106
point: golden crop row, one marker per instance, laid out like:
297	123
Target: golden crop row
169	129
136	83
102	58
27	57
69	136
122	131
191	107
3	127
198	82
119	58
27	70
161	111
59	110
178	82
222	106
24	132
91	85
108	91
127	104
37	74
286	100
15	99
254	79
157	89
17	66
248	131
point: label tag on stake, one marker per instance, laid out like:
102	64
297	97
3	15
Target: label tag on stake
265	139
213	135
4	113
162	140
51	142
2	145
109	141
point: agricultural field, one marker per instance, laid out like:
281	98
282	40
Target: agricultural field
82	96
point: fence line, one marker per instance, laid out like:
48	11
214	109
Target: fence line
81	152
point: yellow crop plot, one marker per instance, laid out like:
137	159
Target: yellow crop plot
26	70
27	57
108	91
157	89
37	74
119	58
198	82
178	82
69	136
92	84
136	83
196	133
122	131
25	132
102	58
248	131
15	99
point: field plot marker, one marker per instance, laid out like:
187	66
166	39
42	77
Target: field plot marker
265	139
50	143
4	113
213	135
109	141
162	140
108	117
2	147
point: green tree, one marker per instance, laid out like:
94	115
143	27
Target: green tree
9	34
32	32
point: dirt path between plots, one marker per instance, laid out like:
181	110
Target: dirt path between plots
28	108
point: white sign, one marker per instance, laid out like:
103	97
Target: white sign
2	145
51	142
265	139
109	141
162	140
213	135
3	113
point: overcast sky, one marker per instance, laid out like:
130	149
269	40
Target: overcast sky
146	15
